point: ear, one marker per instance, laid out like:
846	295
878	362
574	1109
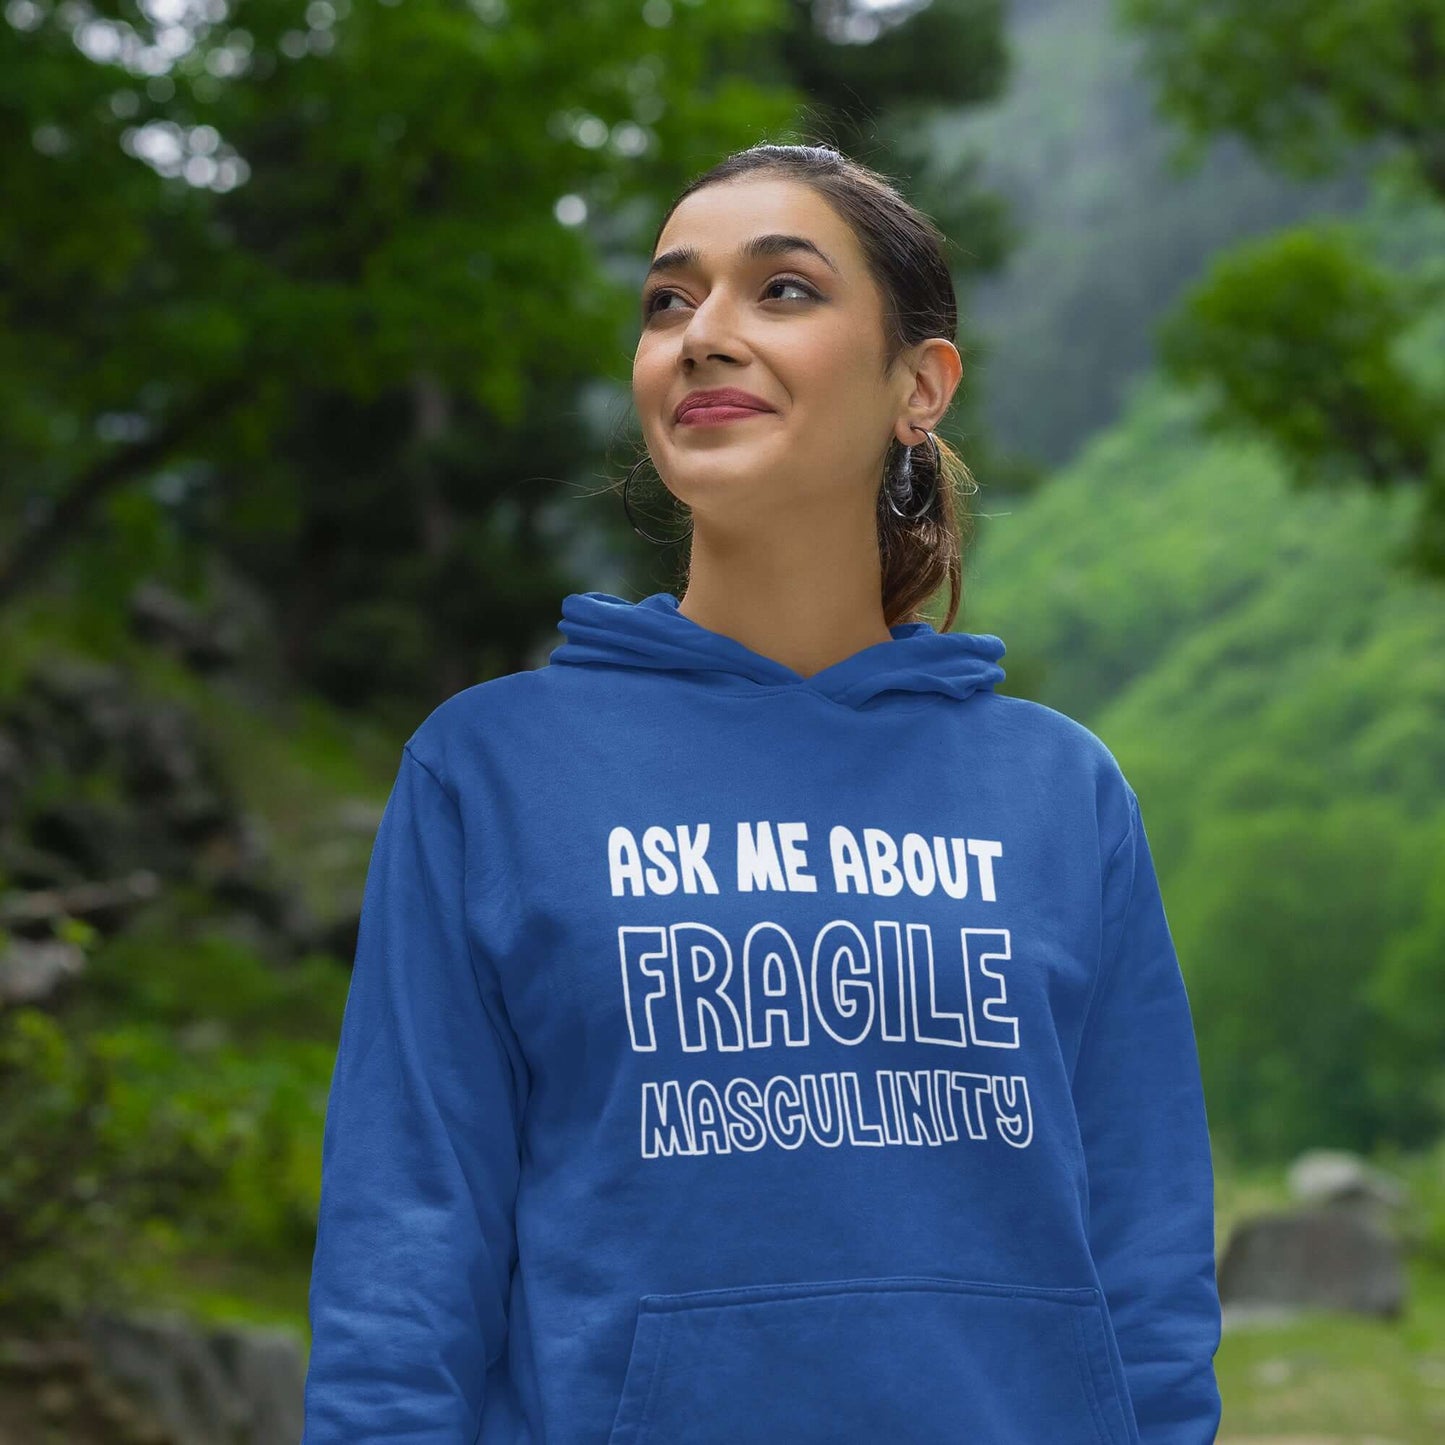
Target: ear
936	369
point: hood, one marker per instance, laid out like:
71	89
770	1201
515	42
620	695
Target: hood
610	631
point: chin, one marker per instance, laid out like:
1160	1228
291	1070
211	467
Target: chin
695	479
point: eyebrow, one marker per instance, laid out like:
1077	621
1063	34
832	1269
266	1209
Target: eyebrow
681	257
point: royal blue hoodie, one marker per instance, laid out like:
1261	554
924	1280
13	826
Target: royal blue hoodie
734	1057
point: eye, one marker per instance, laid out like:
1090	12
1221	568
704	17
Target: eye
650	303
653	302
797	285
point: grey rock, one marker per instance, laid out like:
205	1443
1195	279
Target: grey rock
32	969
222	1385
1326	1257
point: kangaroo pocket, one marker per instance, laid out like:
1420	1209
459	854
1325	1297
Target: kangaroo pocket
907	1361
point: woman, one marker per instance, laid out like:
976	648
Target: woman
762	1030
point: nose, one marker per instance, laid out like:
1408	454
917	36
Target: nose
710	333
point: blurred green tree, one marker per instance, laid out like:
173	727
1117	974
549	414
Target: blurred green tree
1298	337
324	297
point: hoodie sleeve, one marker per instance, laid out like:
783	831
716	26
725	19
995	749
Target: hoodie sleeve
414	1244
1140	1103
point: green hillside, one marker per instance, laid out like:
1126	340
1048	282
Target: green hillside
1275	690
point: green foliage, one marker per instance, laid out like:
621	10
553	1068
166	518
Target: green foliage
320	302
1276	694
231	293
1295	336
146	973
1297	333
395	204
125	1148
1302	80
1107	237
1404	988
1298	904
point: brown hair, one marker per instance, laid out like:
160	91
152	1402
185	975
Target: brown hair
905	254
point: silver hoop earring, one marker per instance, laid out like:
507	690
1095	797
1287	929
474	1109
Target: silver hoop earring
905	476
626	507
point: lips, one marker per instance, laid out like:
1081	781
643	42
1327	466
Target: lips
724	397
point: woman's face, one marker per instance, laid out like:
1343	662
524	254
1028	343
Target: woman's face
801	332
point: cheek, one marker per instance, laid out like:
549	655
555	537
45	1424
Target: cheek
826	365
649	372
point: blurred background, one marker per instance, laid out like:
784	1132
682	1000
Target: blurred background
316	324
